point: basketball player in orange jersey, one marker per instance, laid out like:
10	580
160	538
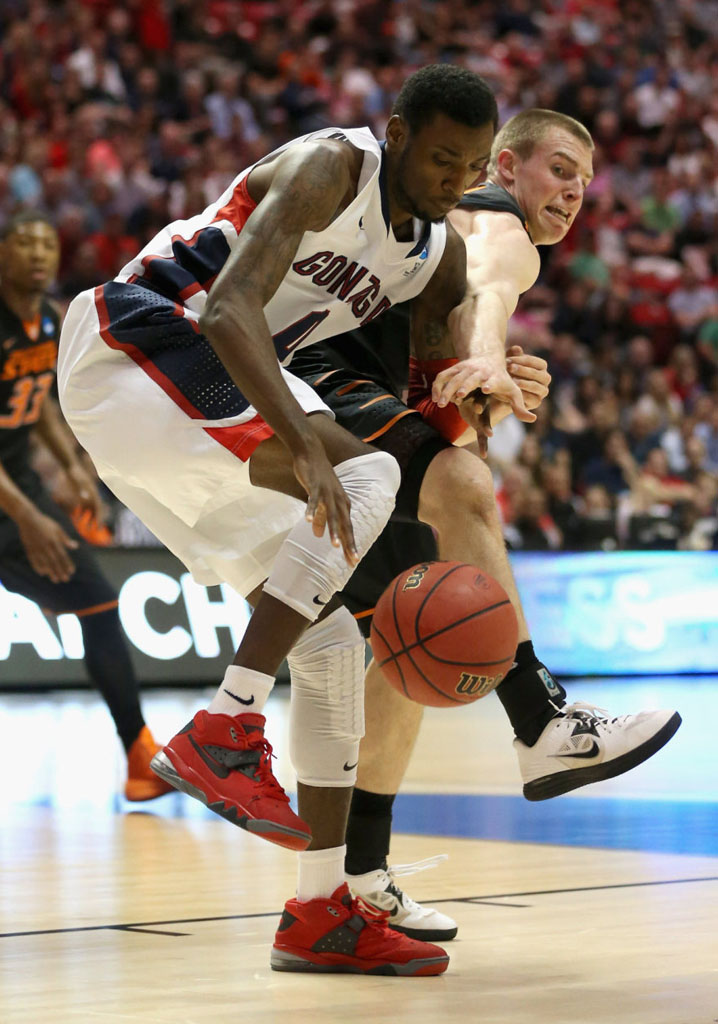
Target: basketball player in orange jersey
173	377
540	167
42	557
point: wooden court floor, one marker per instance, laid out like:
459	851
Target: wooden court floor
597	907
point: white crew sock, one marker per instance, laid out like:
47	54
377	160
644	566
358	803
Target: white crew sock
321	872
241	690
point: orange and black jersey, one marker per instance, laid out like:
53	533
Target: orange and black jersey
379	351
28	357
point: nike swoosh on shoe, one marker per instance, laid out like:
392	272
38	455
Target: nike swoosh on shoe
594	751
220	770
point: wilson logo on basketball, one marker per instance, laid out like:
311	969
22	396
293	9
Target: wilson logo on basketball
469	685
415	577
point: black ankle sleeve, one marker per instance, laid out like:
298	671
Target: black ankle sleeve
368	831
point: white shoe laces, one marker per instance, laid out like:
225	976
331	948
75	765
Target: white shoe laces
419	865
385	898
583	709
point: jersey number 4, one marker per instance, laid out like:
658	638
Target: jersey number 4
287	340
26	400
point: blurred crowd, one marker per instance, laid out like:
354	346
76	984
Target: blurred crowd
116	119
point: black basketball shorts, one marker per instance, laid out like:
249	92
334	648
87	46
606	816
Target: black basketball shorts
86	591
400	545
370	411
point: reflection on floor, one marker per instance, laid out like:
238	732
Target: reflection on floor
463	779
600	906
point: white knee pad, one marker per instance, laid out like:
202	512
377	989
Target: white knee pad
327	701
308	570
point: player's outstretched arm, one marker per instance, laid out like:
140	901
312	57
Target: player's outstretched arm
432	343
301	192
501	264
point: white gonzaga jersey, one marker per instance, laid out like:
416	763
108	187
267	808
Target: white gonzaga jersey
340	278
148	397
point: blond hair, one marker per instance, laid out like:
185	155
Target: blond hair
523	131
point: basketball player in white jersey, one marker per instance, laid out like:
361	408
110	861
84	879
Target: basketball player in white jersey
173	378
540	166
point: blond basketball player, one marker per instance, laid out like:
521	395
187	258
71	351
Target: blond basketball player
541	165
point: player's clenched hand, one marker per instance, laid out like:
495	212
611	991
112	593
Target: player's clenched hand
46	545
328	504
483	374
531	375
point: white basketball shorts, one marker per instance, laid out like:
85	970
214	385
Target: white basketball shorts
143	412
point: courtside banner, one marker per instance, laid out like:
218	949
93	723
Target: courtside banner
177	630
622	613
618	613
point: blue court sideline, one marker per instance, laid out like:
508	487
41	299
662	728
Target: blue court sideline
658	826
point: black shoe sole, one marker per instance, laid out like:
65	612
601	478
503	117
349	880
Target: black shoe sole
426	934
573	778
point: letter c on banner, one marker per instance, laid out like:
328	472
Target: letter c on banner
135	594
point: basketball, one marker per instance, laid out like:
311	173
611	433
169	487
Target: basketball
444	633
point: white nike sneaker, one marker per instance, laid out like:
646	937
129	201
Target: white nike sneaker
583	745
405	914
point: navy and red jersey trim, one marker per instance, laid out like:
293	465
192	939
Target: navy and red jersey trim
195	262
192	268
154	332
145	319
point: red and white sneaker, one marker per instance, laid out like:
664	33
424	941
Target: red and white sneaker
340	935
225	761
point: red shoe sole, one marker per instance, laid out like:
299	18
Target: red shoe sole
173	770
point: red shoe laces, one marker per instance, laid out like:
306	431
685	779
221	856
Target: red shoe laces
374	917
264	773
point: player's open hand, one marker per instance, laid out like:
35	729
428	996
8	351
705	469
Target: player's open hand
328	505
46	545
482	374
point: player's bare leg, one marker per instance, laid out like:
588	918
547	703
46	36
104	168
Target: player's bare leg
468	526
222	757
325	810
392	726
469	530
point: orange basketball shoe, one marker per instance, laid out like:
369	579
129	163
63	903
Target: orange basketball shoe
225	761
142	783
341	935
